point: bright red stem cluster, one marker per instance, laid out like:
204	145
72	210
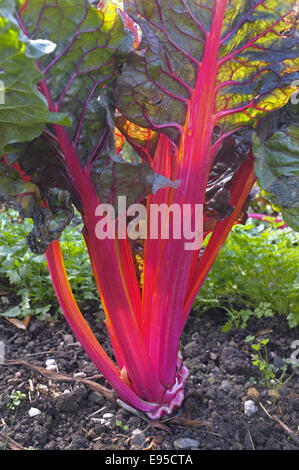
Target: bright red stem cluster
145	325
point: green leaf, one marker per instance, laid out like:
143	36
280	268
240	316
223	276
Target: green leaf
91	48
63	119
17	193
24	197
23	109
277	169
12	312
257	60
91	45
249	338
228	326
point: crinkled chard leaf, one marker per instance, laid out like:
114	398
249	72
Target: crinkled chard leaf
257	61
143	141
122	174
23	109
16	193
277	169
25	198
229	159
135	181
92	45
50	223
42	160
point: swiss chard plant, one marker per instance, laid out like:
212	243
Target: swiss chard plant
161	103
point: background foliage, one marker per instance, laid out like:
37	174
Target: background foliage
28	273
256	273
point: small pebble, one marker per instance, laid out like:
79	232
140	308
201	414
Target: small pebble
192	349
253	393
34	412
226	385
2	352
92	434
68	339
274	394
283	390
137	438
107	418
185	443
99	420
50	362
213	356
79	375
52	367
249	408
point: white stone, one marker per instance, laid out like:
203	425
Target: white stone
249	408
79	375
137	438
34	412
52	367
50	362
98	420
185	443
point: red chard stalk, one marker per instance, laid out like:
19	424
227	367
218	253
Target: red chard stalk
161	106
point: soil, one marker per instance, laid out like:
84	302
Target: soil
73	416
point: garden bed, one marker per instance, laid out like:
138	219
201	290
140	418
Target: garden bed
72	415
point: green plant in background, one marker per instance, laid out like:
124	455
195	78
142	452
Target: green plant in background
256	274
123	427
239	318
261	361
13	404
247	279
271	376
28	273
15	400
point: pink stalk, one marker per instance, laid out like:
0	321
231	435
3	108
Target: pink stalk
145	325
83	332
268	218
241	187
121	309
194	163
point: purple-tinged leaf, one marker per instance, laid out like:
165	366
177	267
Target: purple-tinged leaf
257	60
91	46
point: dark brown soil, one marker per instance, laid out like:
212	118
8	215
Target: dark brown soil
73	416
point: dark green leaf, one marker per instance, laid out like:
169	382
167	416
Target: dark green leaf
24	196
91	47
23	109
277	168
257	61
